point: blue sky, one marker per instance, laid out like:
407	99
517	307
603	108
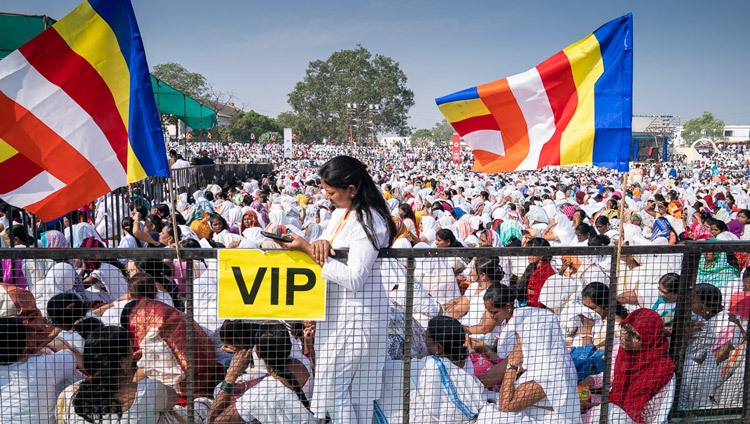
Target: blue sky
689	56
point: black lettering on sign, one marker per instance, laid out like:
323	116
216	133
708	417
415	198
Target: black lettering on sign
291	273
274	286
249	298
291	287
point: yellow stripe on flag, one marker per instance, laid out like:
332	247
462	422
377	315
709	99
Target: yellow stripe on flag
463	109
135	169
92	38
6	151
577	141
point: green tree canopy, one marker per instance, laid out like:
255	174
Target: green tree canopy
352	77
191	83
443	131
421	135
705	126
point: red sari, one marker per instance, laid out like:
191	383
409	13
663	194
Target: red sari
641	374
171	324
536	282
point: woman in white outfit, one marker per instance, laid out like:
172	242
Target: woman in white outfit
351	342
546	390
443	386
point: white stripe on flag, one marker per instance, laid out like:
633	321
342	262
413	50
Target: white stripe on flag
528	89
34	190
50	104
488	140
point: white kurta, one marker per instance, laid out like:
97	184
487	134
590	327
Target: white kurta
430	402
272	402
351	341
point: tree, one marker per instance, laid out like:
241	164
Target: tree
295	122
191	83
705	126
443	131
422	135
352	77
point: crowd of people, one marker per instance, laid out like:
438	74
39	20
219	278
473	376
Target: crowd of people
493	338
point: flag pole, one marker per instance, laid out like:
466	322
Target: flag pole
622	223
174	223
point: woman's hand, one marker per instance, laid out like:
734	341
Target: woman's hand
477	346
240	361
587	326
320	250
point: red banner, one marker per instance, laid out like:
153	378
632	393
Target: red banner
456	148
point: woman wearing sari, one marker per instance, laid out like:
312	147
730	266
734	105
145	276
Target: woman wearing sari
159	336
643	367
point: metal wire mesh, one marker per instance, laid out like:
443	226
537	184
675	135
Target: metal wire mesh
433	335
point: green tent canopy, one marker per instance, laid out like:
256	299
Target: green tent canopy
173	102
16	30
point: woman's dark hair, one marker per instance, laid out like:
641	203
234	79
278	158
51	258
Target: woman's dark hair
171	231
19	232
179	219
599	240
450	334
343	171
274	348
142	285
161	272
163	209
190	244
208	195
499	295
127	225
217	217
491	267
745	212
64	309
12	340
585	228
408	211
156	221
87	326
721	225
447	235
602	220
242	334
599	294
710	296
523	281
102	354
671	282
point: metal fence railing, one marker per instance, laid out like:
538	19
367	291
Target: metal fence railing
107	213
484	334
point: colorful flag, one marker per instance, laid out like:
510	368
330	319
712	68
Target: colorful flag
209	136
77	112
252	136
294	136
273	138
573	108
229	138
189	136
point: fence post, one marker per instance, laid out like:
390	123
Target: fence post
609	344
681	325
190	342
409	312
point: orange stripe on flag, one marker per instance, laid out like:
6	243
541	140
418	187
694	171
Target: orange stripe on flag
23	131
500	101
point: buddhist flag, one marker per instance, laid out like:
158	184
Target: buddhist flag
77	112
573	108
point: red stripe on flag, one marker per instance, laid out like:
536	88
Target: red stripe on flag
500	101
53	59
16	171
32	138
475	123
557	78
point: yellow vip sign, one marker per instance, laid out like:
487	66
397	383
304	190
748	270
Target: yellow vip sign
270	285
